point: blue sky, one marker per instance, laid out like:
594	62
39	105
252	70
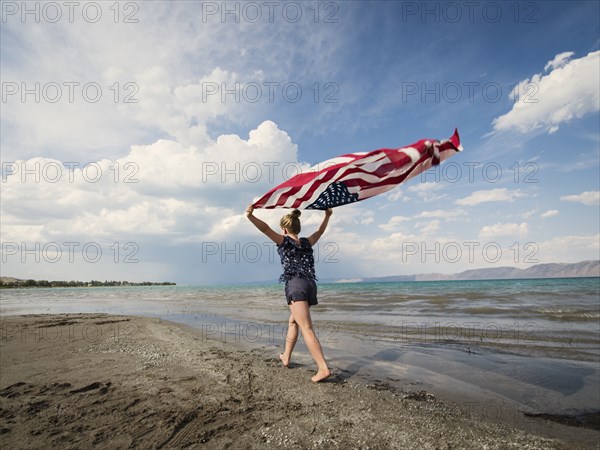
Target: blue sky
134	137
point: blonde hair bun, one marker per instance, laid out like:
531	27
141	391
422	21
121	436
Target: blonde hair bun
291	222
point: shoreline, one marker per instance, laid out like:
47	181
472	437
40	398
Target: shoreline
169	385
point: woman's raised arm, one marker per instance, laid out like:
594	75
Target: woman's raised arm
263	227
313	238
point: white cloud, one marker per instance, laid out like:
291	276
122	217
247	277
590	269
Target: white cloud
396	194
559	60
545	102
13	230
490	195
504	229
428	228
550	213
394	223
163	189
570	248
590	198
530	213
425	187
447	214
428	191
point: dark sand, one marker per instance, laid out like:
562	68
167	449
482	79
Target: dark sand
106	381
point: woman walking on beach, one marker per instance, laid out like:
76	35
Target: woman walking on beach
300	282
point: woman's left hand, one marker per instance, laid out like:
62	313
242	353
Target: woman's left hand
249	210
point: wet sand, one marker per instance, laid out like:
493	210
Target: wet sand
111	381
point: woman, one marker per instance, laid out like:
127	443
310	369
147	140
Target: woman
300	286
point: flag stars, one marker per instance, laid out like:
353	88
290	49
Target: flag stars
336	194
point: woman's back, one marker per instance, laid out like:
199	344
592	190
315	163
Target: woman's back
297	260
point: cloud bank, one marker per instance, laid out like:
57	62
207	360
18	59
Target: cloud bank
569	90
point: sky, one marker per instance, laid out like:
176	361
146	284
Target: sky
135	134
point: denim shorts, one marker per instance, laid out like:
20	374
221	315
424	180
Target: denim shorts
301	289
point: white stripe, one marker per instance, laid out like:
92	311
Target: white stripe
411	152
370	192
330	163
275	196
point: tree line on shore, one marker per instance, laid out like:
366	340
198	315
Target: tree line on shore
15	283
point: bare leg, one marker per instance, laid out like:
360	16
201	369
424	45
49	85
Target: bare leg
290	341
302	317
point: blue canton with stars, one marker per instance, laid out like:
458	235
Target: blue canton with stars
336	194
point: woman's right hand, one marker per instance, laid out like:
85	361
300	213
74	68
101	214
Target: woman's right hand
328	212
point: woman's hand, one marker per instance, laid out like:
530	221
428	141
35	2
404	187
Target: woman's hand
249	210
328	212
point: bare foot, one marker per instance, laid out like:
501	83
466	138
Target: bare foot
321	375
284	361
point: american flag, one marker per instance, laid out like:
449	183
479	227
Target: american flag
357	176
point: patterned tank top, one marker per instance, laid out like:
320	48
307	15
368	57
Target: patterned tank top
297	261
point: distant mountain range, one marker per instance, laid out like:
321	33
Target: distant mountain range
555	270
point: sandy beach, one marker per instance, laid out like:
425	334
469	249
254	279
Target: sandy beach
113	381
